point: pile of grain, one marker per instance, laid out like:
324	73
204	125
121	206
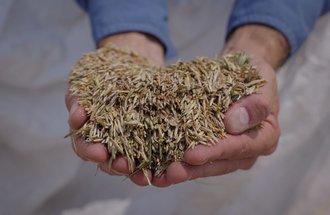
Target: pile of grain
150	114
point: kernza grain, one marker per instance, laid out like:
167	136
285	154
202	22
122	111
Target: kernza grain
152	115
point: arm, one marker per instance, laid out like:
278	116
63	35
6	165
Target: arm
140	25
293	18
269	31
258	40
244	143
111	17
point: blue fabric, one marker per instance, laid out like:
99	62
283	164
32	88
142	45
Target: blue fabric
294	18
115	16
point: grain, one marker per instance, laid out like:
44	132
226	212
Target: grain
152	115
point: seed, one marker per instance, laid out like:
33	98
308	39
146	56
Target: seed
152	115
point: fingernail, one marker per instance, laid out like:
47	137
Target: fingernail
239	120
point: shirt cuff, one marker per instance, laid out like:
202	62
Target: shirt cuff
293	18
267	20
145	16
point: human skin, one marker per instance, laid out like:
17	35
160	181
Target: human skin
244	143
147	46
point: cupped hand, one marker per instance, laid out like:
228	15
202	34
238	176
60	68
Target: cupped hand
246	140
146	46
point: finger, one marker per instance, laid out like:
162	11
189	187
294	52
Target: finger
95	152
255	142
121	165
161	181
69	99
109	170
77	116
246	114
118	166
180	172
253	109
142	178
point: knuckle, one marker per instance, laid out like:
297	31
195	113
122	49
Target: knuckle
258	109
262	108
245	149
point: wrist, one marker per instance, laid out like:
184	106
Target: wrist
144	44
261	42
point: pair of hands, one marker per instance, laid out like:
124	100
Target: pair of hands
243	144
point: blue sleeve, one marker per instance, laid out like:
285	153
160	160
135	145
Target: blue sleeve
293	18
115	16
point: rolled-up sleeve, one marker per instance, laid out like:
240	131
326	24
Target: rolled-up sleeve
293	18
116	16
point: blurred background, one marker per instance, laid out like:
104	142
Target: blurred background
40	40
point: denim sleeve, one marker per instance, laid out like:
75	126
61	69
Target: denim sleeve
293	18
115	16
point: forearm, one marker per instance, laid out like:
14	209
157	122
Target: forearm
293	18
259	41
117	19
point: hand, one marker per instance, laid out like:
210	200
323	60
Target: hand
148	47
245	142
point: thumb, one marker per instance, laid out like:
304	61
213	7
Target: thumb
246	114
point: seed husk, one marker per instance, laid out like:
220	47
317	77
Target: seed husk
151	114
